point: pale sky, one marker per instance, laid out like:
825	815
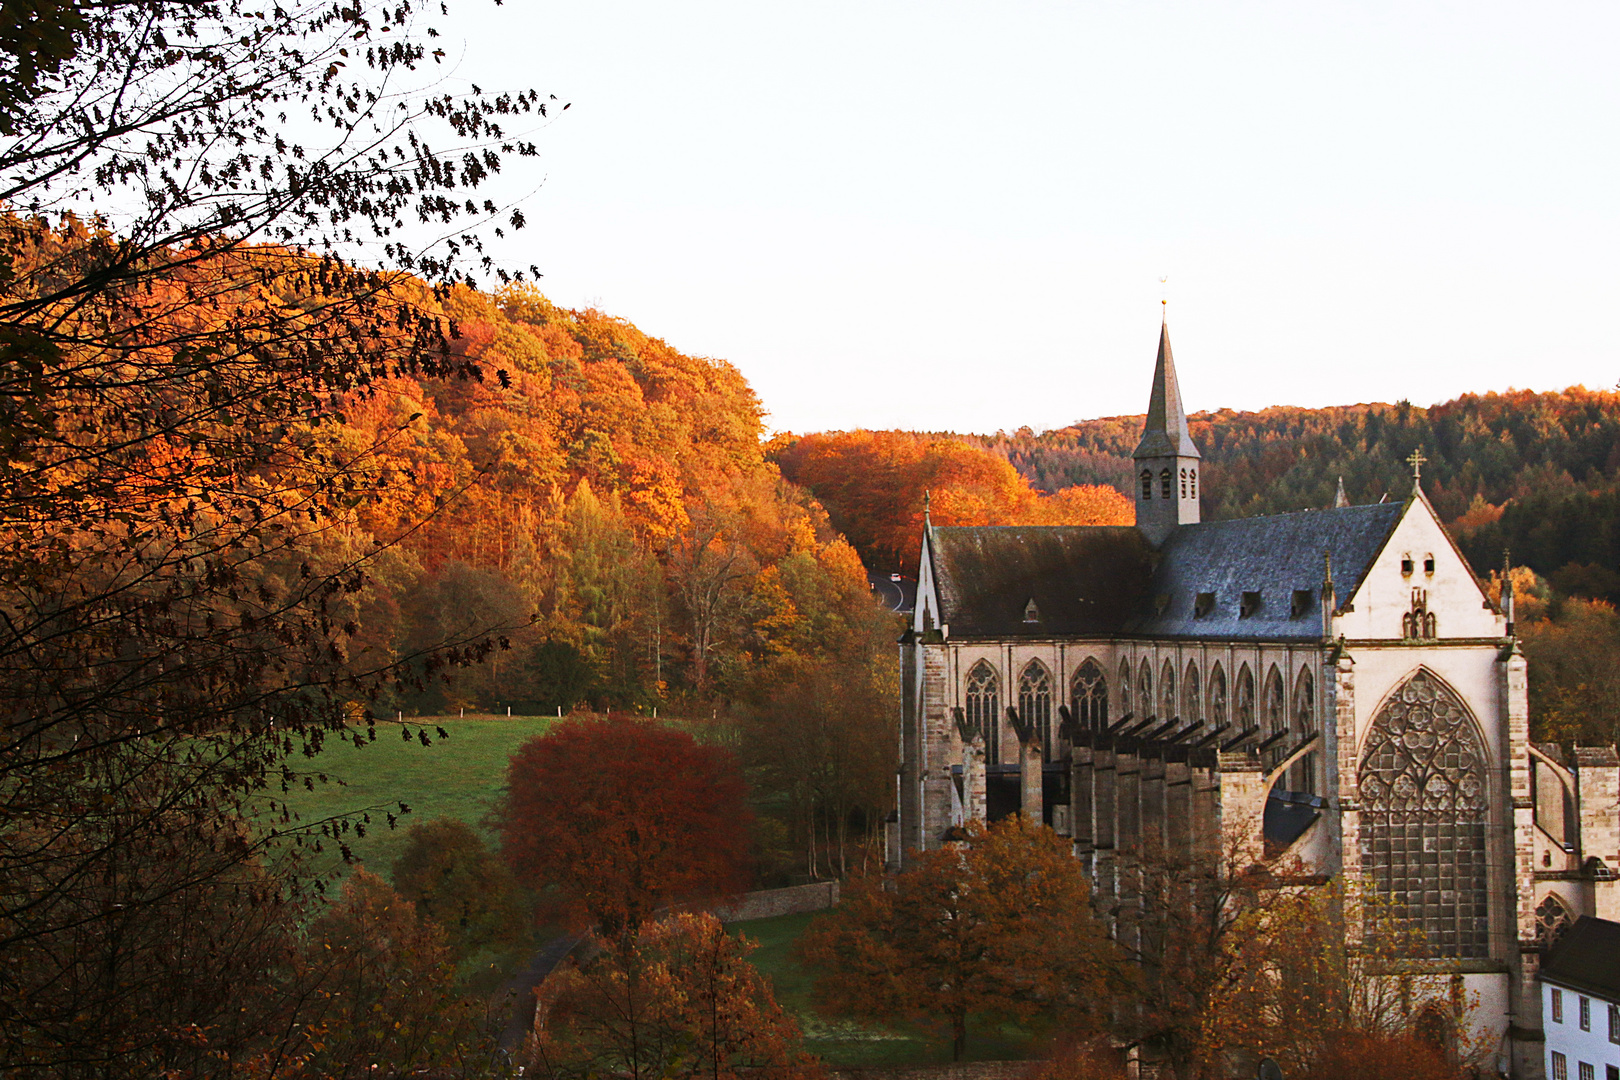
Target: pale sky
955	216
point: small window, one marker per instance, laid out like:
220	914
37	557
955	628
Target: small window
1586	1013
1614	1024
1301	604
1203	605
1192	483
1250	604
1560	1066
1031	612
1428	564
1586	1071
1183	483
1406	566
1611	1072
1147	484
1166	484
1557	1005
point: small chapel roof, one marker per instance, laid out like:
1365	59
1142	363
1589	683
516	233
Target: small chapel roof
1079	579
1251	579
1587	957
1251	569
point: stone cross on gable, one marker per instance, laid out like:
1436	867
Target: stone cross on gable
1416	461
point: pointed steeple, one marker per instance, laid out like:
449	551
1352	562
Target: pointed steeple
1340	499
1165	433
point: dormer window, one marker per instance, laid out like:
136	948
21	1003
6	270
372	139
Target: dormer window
1203	604
1301	604
1250	604
1147	484
1428	564
1406	566
1031	613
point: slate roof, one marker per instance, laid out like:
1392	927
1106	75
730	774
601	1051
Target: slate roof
1103	580
1270	555
1084	580
1587	957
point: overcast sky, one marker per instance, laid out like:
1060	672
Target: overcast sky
955	216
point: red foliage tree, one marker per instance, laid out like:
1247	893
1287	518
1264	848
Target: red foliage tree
613	818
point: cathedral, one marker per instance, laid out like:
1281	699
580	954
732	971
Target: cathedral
1330	690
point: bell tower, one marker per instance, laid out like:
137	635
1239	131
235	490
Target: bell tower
1167	462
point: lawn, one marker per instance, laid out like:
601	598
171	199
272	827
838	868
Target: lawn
459	777
847	1043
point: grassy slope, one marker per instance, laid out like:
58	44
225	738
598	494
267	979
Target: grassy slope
846	1043
459	777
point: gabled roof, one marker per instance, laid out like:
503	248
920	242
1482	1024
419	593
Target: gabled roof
1587	957
1272	556
1083	580
1165	432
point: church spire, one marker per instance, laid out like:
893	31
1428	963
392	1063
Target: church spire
1166	459
1165	433
1340	499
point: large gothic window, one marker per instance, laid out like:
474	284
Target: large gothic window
1144	688
1035	703
1245	699
1088	692
1276	717
1191	700
1302	775
983	699
1423	816
1217	697
1167	692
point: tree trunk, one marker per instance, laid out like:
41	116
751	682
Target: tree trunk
958	1035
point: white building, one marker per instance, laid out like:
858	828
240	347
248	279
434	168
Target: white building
1580	1002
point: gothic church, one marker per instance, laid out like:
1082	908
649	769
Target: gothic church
1332	687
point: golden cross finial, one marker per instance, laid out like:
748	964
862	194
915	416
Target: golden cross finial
1416	461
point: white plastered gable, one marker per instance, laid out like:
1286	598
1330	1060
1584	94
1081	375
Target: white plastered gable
1419	555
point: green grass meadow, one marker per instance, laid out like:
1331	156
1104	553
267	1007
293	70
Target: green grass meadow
459	777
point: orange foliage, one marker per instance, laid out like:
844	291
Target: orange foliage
875	485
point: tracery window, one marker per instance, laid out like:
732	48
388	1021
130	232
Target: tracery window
1217	697
981	704
1192	482
1276	717
1191	700
1245	699
1124	687
1035	703
1423	816
1183	483
1167	692
1088	694
1147	484
1166	484
1552	919
1302	775
1144	687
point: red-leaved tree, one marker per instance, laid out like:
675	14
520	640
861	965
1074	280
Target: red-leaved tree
611	818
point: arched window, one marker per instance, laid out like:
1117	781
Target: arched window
1167	692
1423	816
1302	775
1552	919
1191	700
1166	484
1217	697
1088	695
1275	717
1147	484
1192	482
1124	687
981	707
1245	699
1035	703
1144	688
1183	483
